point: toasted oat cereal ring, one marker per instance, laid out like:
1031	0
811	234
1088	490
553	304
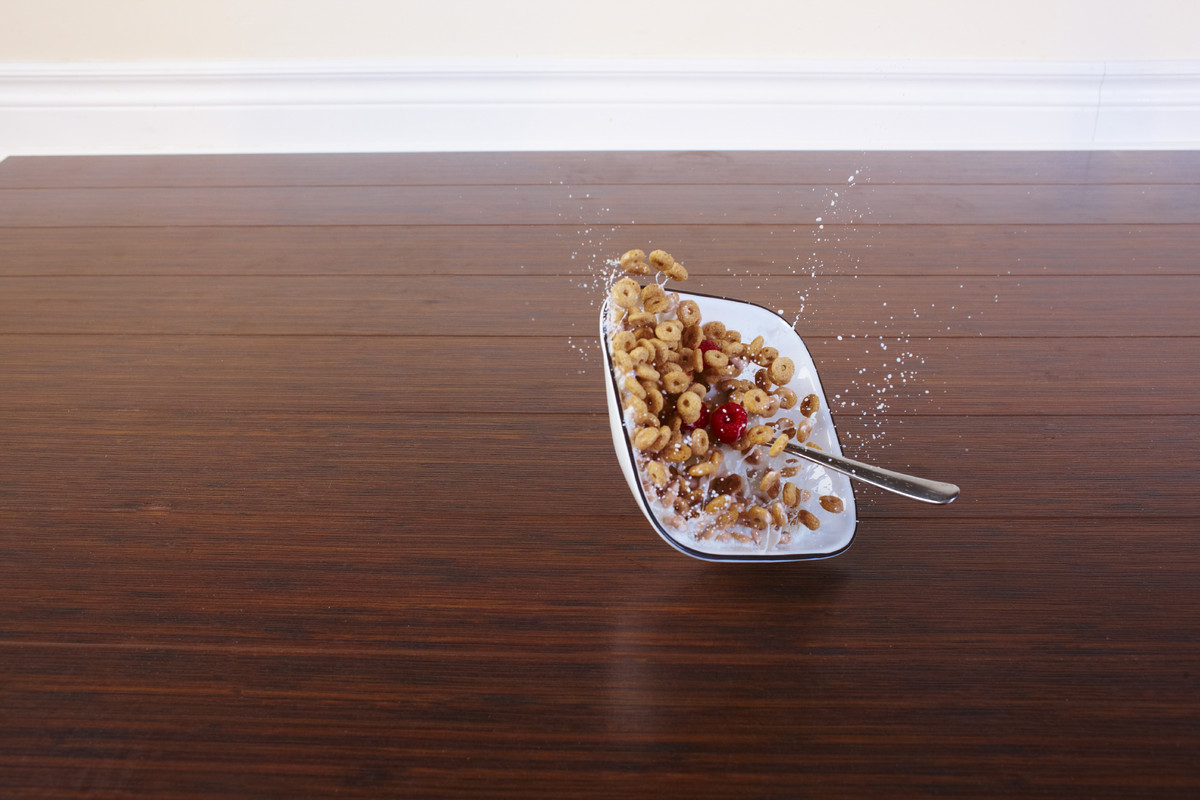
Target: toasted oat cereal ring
714	330
755	345
809	520
661	259
664	437
639	354
657	473
716	359
716	456
810	405
693	335
688	312
762	380
645	438
701	469
669	331
791	495
758	518
622	360
832	503
642	319
781	370
717	503
633	387
789	472
727	517
778	445
697	362
680	452
699	440
678	383
676	272
634	259
759	434
624	342
769	481
787	398
654	399
626	292
698	389
646	372
765	356
733	349
804	430
687	404
756	401
778	514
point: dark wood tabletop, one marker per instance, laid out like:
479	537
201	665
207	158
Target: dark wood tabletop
307	487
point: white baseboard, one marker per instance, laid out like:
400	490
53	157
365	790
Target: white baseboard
316	106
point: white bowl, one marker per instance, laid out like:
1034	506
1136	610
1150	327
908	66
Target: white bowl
837	530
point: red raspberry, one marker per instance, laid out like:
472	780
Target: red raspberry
729	423
709	344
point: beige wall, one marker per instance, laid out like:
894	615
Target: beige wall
144	30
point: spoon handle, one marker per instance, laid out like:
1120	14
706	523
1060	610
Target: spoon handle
917	488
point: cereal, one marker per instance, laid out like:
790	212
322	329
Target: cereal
810	405
832	504
714	477
626	292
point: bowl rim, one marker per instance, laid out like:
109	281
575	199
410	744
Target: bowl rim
639	490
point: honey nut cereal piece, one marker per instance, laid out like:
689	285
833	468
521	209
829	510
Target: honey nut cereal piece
701	469
758	518
733	349
716	359
698	389
787	398
654	399
700	443
657	472
765	356
626	292
762	380
717	503
715	457
693	335
697	360
629	256
759	434
789	472
714	330
778	514
727	517
677	383
681	452
781	370
791	495
809	520
669	331
633	387
654	299
645	438
642	319
769	481
688	312
832	503
804	430
623	342
646	372
664	436
755	345
810	405
778	445
755	401
688	406
661	259
622	360
639	354
676	272
641	413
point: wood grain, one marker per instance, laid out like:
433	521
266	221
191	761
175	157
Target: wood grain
306	487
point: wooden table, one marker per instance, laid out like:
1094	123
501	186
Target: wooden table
306	487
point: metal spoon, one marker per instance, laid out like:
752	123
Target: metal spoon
917	488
